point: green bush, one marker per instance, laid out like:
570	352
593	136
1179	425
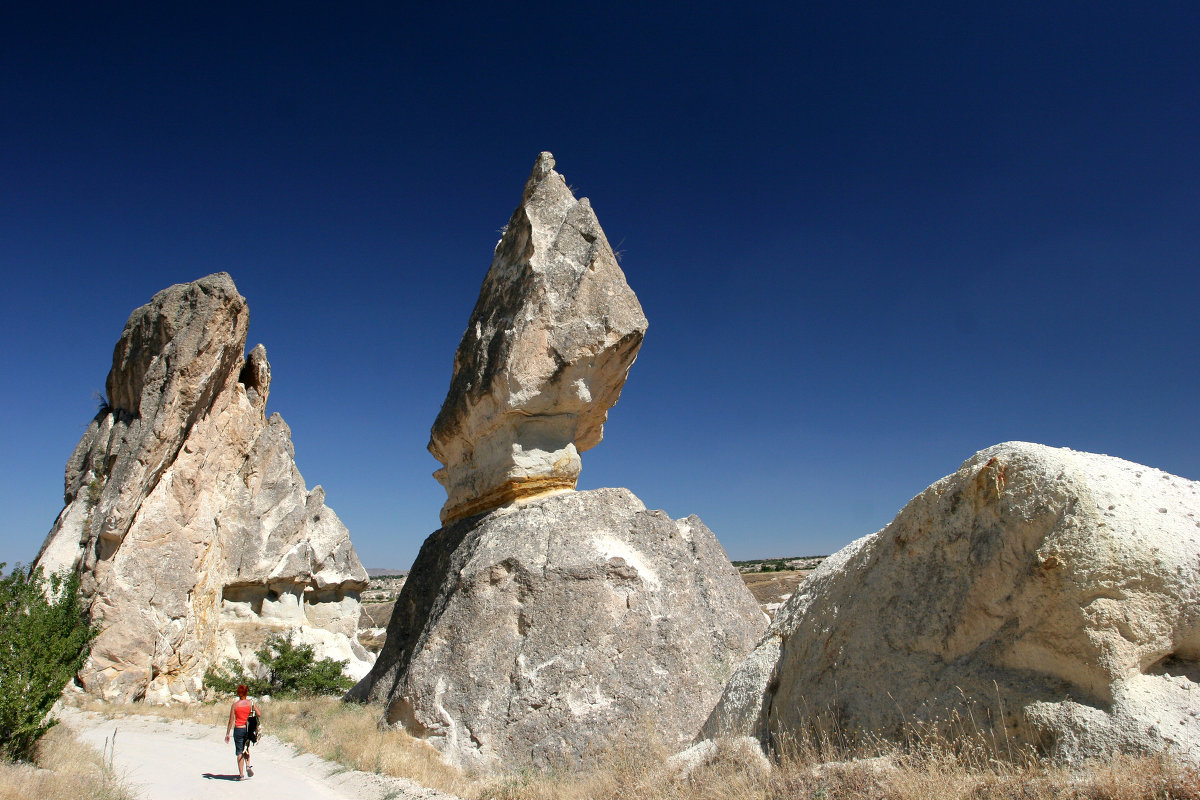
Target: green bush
44	639
291	669
226	681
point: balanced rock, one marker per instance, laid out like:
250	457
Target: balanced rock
185	513
1048	596
540	623
544	356
531	635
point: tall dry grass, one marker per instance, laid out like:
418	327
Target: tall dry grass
349	734
63	769
822	765
931	765
929	774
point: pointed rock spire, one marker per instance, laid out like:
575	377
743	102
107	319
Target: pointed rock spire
191	526
545	355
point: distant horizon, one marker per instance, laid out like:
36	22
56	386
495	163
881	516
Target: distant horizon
870	241
732	560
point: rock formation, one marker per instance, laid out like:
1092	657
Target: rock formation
536	631
531	635
544	356
1051	593
185	513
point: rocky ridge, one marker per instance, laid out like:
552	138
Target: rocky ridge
186	515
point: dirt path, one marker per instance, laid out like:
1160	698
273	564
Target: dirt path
174	760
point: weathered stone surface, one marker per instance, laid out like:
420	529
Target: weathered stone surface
545	354
186	515
1055	592
531	635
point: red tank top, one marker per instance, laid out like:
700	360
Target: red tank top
241	712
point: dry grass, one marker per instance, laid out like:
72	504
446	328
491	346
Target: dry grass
819	766
948	770
349	734
941	772
64	769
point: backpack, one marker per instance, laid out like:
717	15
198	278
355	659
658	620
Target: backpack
252	725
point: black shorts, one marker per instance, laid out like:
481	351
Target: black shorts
239	741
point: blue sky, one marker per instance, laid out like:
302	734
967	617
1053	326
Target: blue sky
871	239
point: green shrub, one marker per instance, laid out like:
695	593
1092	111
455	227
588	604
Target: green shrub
226	681
291	669
94	490
44	639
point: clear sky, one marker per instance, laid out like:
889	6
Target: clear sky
870	238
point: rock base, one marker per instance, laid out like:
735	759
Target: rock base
532	636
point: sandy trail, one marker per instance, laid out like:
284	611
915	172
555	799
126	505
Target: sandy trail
174	760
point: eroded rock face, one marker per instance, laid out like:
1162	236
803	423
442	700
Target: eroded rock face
186	515
545	354
1054	592
532	635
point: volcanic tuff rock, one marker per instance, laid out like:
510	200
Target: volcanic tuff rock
545	354
185	513
1055	591
531	635
531	632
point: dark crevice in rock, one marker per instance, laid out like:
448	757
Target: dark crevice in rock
1176	666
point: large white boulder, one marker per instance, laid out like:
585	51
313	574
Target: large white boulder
1052	594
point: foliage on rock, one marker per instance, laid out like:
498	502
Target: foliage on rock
288	669
44	639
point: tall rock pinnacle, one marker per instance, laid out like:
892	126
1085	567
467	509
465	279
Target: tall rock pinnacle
185	514
545	354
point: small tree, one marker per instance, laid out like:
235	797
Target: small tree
44	639
291	669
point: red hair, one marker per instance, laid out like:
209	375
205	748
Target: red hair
242	690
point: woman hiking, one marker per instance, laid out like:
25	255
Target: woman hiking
239	713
